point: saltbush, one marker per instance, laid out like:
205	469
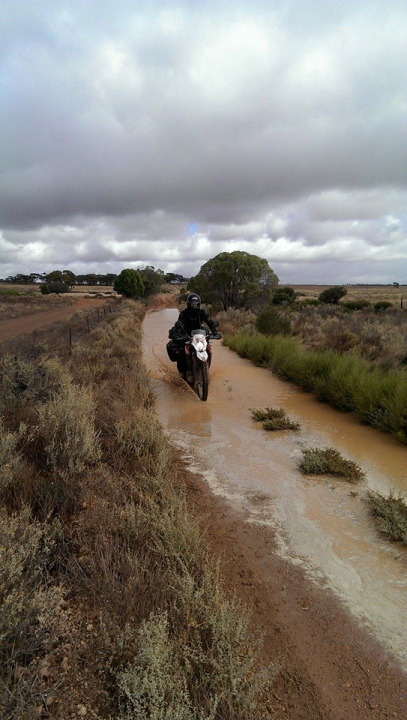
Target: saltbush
271	322
328	461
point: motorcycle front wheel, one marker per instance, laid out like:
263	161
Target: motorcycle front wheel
201	380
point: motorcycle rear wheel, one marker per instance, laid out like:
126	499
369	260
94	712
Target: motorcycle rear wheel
201	380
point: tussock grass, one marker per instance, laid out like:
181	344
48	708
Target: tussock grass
390	514
274	419
328	461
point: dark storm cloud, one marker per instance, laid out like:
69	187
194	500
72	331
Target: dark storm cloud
277	129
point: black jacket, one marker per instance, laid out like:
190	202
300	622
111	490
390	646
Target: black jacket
189	320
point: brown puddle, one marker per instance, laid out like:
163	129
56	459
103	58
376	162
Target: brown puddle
320	524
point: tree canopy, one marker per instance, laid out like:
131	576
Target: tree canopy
236	279
152	279
129	284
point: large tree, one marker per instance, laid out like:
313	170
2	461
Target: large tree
129	283
236	279
152	279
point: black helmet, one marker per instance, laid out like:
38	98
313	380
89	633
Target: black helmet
193	302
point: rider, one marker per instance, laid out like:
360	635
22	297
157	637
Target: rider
189	319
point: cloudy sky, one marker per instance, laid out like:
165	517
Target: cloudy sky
163	132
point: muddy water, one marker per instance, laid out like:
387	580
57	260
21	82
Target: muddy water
320	524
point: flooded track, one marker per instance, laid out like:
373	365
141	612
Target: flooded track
321	524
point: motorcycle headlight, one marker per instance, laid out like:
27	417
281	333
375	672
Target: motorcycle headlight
199	346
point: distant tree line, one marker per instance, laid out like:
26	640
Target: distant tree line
58	281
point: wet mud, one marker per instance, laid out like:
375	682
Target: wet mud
321	525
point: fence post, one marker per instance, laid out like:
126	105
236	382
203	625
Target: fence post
401	303
70	337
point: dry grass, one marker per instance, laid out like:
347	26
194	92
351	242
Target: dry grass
84	461
380	338
31	303
372	293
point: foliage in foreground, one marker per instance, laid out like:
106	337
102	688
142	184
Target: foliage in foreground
348	382
97	506
329	461
273	419
390	514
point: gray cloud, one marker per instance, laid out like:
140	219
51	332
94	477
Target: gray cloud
277	129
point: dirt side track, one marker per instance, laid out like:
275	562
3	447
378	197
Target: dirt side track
10	329
331	669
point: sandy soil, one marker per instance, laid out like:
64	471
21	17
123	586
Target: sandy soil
331	669
10	329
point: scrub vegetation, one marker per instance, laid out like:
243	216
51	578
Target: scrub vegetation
390	514
367	377
328	461
105	583
274	419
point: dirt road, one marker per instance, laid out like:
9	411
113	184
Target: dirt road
10	329
328	591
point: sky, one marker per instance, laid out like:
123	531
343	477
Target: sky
163	133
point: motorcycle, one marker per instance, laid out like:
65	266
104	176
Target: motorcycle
198	353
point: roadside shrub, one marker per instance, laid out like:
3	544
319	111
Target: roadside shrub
390	514
234	319
328	461
58	287
206	676
271	322
331	296
309	302
381	306
44	289
356	304
29	608
65	436
284	296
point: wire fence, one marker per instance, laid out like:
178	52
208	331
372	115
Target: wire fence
89	321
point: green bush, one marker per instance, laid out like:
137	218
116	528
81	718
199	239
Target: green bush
274	419
55	287
44	289
331	296
382	305
390	514
356	304
328	461
284	296
129	284
271	322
